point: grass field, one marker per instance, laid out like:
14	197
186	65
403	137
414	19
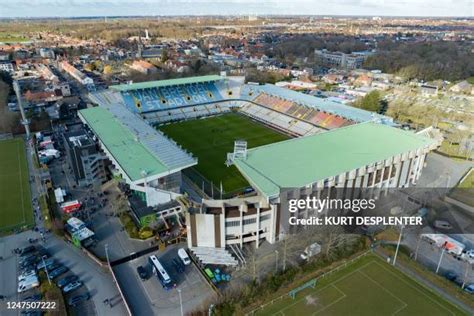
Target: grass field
15	198
369	286
210	140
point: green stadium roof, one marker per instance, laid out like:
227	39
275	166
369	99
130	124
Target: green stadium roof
129	153
165	83
302	161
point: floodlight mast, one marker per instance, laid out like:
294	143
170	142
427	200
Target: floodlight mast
240	152
24	121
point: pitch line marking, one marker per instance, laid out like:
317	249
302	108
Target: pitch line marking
334	302
426	295
404	304
323	288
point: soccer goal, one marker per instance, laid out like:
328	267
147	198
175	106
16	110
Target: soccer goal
311	283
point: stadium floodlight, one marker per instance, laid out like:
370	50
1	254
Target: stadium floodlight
240	149
240	152
398	244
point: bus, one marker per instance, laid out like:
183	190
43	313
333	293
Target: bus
161	273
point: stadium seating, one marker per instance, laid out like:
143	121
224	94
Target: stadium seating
272	102
169	97
279	120
300	112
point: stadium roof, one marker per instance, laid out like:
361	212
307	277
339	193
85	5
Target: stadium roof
302	161
165	83
133	153
358	115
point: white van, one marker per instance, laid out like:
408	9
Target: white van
27	284
184	256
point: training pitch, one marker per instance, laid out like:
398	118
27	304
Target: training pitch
210	139
15	198
369	286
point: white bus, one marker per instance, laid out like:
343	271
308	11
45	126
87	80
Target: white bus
161	273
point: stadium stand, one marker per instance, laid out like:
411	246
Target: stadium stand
251	92
169	97
190	98
301	112
185	113
279	120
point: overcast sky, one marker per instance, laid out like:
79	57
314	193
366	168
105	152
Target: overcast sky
68	8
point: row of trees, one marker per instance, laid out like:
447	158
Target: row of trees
426	61
9	121
302	46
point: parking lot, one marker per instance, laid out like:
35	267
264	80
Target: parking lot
29	266
97	281
429	255
148	297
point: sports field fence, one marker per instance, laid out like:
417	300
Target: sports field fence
326	274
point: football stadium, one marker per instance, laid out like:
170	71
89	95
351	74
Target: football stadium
244	150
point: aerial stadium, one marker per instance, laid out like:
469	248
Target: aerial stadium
244	150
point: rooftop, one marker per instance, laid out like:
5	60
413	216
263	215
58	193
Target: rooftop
325	105
302	161
165	83
132	152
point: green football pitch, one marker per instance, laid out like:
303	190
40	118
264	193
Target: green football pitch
210	139
369	286
15	198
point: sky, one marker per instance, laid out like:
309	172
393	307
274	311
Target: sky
71	8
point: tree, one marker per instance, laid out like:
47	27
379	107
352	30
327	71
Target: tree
9	121
164	55
370	102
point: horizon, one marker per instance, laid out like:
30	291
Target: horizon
37	9
466	17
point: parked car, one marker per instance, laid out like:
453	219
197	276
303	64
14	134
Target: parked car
451	276
27	269
442	224
72	286
42	252
143	273
184	256
73	301
27	284
31	313
54	266
44	263
32	298
27	250
26	275
66	280
470	253
469	289
29	262
57	272
30	257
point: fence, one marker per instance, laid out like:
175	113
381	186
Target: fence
6	136
336	269
207	188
